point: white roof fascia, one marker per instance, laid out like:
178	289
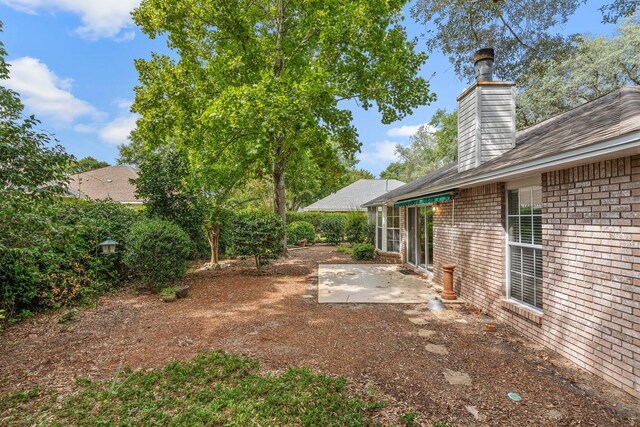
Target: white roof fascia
621	146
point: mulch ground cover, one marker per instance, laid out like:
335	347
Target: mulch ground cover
270	317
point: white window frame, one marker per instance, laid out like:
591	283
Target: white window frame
417	265
380	244
387	228
534	181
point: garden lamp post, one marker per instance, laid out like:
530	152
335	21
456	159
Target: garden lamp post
108	247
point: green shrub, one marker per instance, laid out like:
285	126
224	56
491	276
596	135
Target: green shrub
315	218
364	252
358	228
167	292
50	254
157	252
254	233
334	228
300	230
344	249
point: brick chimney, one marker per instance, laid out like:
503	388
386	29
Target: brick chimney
486	115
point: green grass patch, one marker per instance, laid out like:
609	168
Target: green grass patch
344	249
211	389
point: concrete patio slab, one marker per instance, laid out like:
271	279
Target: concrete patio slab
371	283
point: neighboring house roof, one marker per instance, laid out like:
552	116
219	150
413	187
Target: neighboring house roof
111	182
422	182
352	196
595	128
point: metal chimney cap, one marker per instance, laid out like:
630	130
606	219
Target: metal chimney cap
485	53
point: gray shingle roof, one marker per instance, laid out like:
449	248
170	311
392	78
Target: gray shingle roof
352	196
111	182
422	182
613	115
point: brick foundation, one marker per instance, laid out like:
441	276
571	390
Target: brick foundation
591	264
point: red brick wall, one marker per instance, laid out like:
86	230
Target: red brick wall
403	233
591	267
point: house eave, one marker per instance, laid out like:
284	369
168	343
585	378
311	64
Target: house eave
622	146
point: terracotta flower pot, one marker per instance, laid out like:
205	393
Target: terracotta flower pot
302	243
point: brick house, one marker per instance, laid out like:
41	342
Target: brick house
543	224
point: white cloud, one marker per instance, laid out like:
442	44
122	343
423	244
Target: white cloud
407	130
117	131
383	151
84	128
46	94
123	103
100	18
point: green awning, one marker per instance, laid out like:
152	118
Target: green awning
424	200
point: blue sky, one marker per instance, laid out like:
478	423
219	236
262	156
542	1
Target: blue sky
72	62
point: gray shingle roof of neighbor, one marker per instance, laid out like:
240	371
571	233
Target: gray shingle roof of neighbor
424	181
610	116
111	182
351	197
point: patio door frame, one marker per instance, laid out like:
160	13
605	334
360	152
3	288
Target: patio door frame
413	242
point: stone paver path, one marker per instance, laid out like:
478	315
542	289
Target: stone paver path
426	333
437	349
457	377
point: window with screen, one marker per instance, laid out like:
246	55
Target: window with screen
524	223
379	228
393	229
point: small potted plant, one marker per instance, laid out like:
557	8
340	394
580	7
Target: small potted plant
169	294
302	243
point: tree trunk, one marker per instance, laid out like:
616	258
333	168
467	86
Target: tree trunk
213	235
280	203
280	195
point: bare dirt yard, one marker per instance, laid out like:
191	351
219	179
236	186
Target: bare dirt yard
275	318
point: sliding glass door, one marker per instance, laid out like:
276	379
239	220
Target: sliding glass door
420	237
411	231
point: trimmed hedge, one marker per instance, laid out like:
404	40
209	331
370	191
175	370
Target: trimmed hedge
300	230
50	254
334	229
254	233
157	252
358	228
364	252
314	218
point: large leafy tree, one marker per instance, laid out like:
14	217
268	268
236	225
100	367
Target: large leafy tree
525	34
32	164
433	146
86	164
597	66
261	81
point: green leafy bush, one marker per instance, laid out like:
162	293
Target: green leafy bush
50	255
358	228
334	229
344	249
157	252
314	218
364	252
254	233
163	184
300	230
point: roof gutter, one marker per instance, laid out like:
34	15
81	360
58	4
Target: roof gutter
625	145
